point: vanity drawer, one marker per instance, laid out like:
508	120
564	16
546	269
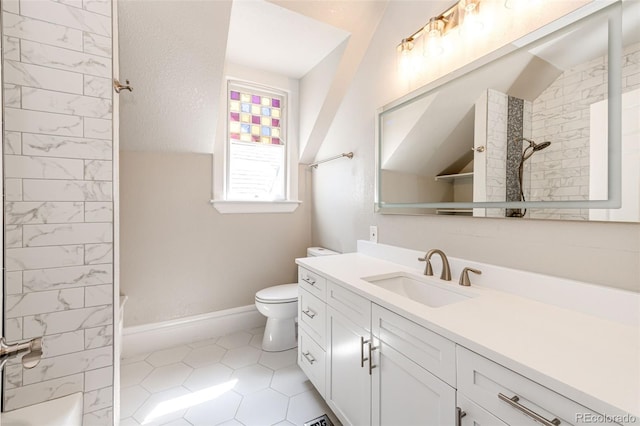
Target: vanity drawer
355	308
312	316
483	381
429	350
312	282
311	359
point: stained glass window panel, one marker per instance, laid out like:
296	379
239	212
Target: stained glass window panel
255	120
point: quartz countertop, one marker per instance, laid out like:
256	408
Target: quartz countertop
591	360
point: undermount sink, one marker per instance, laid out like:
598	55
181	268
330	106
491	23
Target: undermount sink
419	289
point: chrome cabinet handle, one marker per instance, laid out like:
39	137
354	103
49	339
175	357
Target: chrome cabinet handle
309	357
362	358
371	348
309	280
513	401
459	415
309	313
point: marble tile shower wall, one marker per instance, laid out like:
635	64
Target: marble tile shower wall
58	153
561	115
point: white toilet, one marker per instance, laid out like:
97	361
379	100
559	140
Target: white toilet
280	305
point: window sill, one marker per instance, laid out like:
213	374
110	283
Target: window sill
231	207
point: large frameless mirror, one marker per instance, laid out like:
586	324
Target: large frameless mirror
550	130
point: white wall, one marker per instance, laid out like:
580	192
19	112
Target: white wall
180	257
173	53
601	253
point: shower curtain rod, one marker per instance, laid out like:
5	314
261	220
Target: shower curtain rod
349	155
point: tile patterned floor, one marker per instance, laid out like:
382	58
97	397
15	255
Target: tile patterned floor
223	381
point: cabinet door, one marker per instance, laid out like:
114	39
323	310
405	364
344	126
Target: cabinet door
404	394
474	415
348	387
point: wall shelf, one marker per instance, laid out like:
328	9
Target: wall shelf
455	176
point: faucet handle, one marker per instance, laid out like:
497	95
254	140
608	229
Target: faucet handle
464	276
428	269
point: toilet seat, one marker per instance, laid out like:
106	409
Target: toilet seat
286	293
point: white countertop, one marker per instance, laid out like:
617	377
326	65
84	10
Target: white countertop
593	361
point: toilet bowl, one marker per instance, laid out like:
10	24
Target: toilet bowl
280	305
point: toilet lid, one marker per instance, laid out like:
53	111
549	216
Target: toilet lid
279	293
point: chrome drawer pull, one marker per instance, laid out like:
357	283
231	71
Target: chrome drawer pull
309	280
371	348
459	415
535	416
309	313
362	358
309	357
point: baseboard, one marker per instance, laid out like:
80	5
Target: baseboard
147	338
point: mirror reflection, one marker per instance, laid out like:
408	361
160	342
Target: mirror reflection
531	126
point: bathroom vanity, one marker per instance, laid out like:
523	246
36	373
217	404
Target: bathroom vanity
385	345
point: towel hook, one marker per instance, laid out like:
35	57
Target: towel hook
117	86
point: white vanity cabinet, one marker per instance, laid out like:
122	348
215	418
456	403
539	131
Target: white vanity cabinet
410	365
348	390
513	398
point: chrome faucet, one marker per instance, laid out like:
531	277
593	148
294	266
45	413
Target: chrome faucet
428	270
32	350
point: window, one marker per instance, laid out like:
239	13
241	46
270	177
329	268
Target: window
255	163
257	158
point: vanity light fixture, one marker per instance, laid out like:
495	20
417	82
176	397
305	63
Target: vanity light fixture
463	15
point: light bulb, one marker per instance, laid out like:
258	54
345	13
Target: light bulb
433	38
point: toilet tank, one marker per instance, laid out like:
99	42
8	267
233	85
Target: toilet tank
320	251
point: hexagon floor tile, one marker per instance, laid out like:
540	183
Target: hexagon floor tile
221	381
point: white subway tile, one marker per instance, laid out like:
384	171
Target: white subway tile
98	86
13	236
66	234
98	337
21	166
33	394
13	329
98	379
98	254
74	276
29	212
74	3
68	16
98	212
66	190
19	305
42	122
98	128
42	77
43	257
11	48
98	170
13	283
12	6
60	322
98	295
69	147
65	103
64	59
12	96
41	31
65	365
97	45
63	343
102	7
12	143
12	376
102	417
98	399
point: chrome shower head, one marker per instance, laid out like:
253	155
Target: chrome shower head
541	146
